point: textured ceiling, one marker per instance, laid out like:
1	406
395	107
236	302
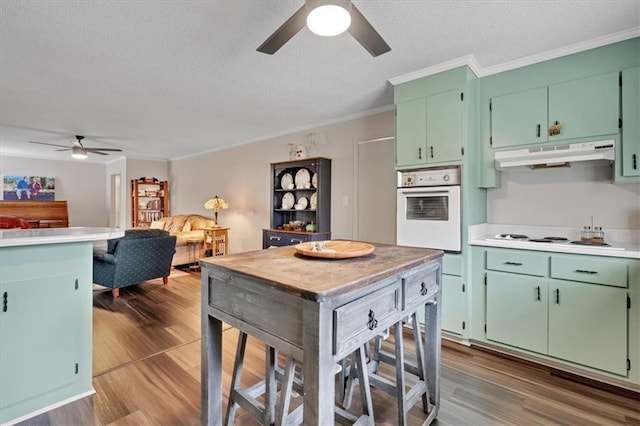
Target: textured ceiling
170	79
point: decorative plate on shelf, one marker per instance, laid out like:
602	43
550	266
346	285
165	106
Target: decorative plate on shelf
303	202
286	182
288	200
314	201
314	180
302	178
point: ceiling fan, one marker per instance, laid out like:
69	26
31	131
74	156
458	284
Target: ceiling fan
78	150
347	18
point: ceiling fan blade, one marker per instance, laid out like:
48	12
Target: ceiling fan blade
366	35
291	27
50	144
64	149
103	149
93	151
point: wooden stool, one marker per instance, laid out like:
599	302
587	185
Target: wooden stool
268	413
405	399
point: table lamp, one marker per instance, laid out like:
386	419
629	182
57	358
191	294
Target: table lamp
216	203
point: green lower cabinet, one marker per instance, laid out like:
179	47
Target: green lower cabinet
453	304
517	310
588	325
47	362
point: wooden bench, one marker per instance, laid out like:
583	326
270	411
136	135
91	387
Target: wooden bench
38	214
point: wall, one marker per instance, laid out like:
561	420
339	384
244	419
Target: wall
564	197
240	175
81	184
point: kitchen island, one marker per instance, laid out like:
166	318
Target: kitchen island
318	311
46	318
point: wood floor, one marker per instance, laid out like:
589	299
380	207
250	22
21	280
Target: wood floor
146	364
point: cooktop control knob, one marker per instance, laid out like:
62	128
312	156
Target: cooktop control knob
445	178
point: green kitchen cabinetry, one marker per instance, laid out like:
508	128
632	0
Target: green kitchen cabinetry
628	163
588	325
587	107
517	310
429	130
519	118
453	295
45	327
574	310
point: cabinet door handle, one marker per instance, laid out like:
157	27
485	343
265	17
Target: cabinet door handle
513	263
634	161
423	289
419	153
431	148
373	322
295	241
584	271
557	291
538	293
5	301
274	238
538	131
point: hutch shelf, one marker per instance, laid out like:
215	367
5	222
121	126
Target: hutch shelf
300	202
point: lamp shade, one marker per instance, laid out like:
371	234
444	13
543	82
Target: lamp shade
216	203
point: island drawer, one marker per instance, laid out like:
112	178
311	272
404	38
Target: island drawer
368	315
518	262
419	286
590	269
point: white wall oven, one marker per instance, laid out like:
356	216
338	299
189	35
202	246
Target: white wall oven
429	209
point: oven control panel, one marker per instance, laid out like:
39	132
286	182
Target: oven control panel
429	177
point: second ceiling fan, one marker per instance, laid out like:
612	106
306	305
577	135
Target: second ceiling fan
347	16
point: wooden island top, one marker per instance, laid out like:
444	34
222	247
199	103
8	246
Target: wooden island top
316	278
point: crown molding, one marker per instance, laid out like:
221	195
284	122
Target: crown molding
479	71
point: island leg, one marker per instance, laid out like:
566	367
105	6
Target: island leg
318	368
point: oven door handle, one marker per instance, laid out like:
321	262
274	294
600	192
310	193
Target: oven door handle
426	193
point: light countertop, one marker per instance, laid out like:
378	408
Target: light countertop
26	237
623	242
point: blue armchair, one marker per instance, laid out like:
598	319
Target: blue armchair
138	256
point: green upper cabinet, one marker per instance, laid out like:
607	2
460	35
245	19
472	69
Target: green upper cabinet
585	107
630	122
519	118
411	133
429	130
444	127
588	107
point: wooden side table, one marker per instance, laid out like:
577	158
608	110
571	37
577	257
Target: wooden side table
217	240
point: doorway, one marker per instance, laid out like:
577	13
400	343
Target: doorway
376	178
115	202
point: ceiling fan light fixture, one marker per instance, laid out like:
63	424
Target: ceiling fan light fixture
328	20
79	153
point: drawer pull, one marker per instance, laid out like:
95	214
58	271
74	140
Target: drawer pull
373	322
274	238
584	271
5	301
513	263
296	241
423	289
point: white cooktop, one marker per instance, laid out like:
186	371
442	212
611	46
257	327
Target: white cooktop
621	243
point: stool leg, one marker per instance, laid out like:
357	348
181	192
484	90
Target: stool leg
400	391
285	393
363	379
422	372
235	380
270	386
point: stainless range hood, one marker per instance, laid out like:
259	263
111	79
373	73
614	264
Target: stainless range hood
555	155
